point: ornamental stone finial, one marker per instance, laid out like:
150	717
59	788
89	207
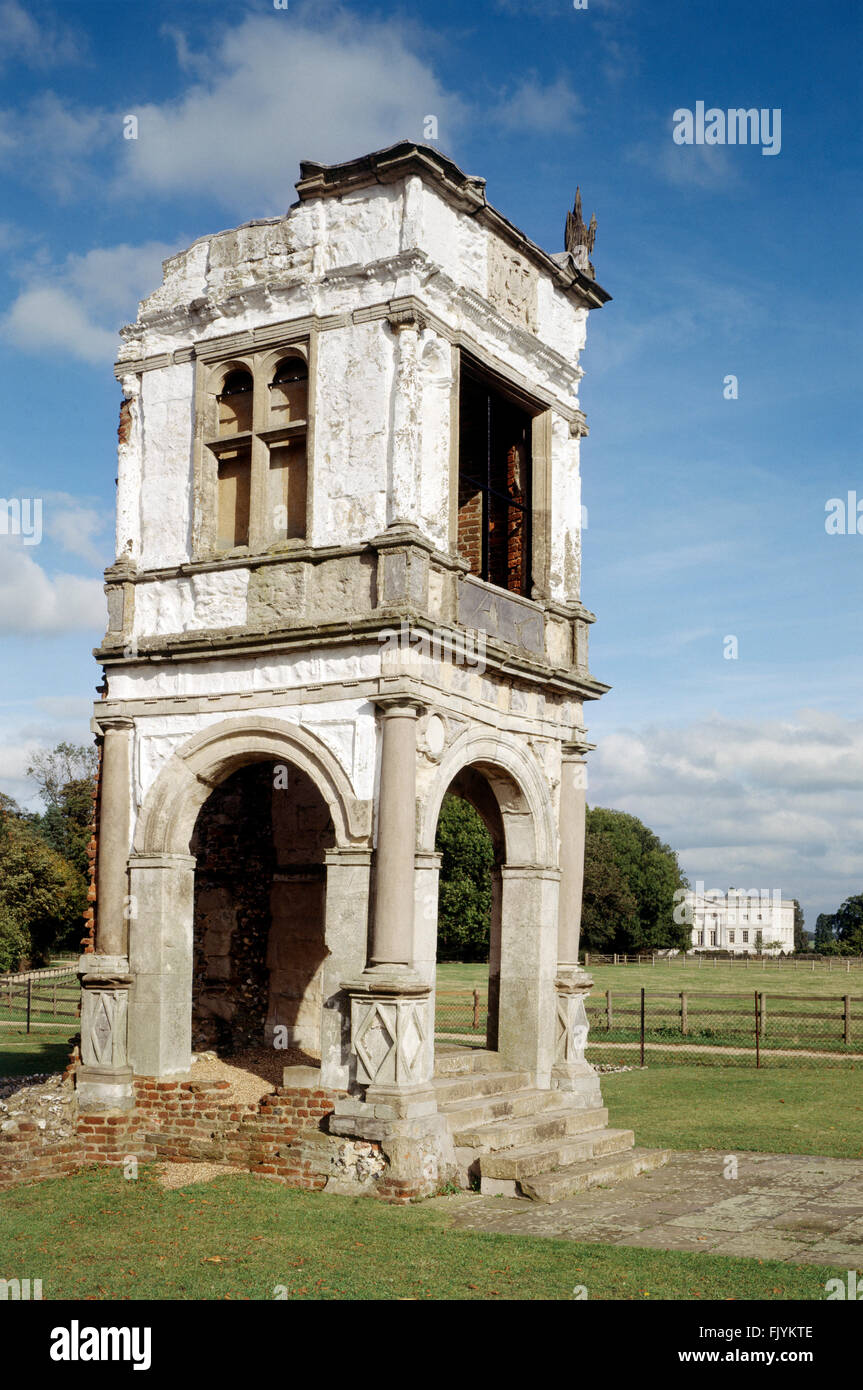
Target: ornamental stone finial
579	239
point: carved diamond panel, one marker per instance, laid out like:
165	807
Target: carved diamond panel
572	1028
388	1037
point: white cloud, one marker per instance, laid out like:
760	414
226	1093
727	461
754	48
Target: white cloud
75	524
78	307
276	92
766	803
29	727
33	603
532	107
686	166
35	43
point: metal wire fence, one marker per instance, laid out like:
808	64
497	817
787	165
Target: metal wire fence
665	1026
45	998
461	1014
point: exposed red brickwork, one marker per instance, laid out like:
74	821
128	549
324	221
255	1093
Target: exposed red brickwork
88	941
282	1137
470	527
124	428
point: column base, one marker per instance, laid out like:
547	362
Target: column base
571	1073
104	1079
390	1028
104	1088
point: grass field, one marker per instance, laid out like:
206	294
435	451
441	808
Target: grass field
96	1236
782	978
794	1110
42	1050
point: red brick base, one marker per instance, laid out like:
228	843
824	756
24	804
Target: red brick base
282	1137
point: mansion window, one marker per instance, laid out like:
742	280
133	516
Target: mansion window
745	937
255	434
495	481
731	938
713	938
701	938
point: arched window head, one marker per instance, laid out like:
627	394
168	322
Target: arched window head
235	403
289	391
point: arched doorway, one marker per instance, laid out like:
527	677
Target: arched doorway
470	838
162	878
260	842
500	776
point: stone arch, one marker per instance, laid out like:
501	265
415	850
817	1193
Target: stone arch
520	789
172	804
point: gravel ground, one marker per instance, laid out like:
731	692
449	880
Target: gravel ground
252	1074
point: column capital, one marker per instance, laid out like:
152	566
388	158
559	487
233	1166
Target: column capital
110	723
401	319
409	706
575	750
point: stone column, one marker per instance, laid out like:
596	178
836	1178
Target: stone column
162	924
392	931
104	1079
572	825
528	959
346	940
405	442
572	984
425	933
391	1021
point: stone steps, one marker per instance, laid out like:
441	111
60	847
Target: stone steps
532	1129
561	1183
527	1162
519	1141
480	1083
460	1061
465	1114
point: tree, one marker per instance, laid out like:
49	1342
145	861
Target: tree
15	944
53	770
801	937
41	895
825	939
464	897
630	881
609	908
847	922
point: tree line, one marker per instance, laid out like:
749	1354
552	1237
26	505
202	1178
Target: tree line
44	869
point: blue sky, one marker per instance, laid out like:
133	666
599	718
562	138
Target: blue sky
706	516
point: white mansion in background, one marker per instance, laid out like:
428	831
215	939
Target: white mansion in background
732	921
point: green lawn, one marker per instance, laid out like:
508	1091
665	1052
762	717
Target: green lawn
42	1050
98	1236
807	1110
784	977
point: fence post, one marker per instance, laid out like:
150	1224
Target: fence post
608	1010
54	1002
29	999
684	1014
757	1032
847	1018
476	1008
642	1025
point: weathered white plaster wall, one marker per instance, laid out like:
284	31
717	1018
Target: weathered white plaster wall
352	423
214	599
166	404
565	547
333	257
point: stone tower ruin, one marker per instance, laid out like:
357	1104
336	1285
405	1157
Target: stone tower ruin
347	581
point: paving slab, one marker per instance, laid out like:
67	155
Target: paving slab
794	1208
